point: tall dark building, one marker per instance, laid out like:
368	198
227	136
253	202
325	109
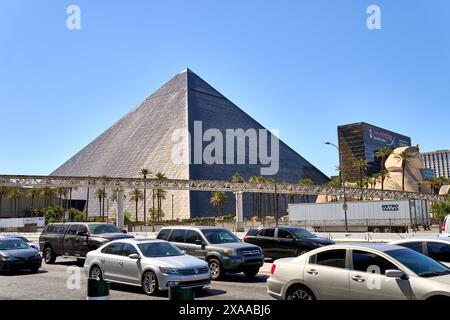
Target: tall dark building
361	141
144	138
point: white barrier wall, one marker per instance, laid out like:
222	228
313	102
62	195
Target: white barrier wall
21	222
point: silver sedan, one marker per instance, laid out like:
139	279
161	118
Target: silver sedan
359	271
152	264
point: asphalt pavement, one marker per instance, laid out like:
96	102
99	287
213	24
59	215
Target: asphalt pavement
65	281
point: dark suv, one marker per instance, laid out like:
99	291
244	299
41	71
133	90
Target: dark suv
284	242
223	251
76	239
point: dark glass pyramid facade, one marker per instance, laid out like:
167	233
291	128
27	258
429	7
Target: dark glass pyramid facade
143	139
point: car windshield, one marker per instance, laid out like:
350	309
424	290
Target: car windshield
420	264
302	233
103	228
13	244
217	236
159	249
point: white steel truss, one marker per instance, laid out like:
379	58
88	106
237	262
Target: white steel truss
206	185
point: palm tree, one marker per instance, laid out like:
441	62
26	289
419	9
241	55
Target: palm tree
34	193
100	194
404	157
160	195
237	178
48	194
144	173
136	196
361	165
306	182
61	192
383	154
218	199
15	193
87	196
253	179
3	192
71	188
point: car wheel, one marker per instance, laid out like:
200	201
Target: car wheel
301	252
150	283
49	256
251	272
216	269
96	273
298	292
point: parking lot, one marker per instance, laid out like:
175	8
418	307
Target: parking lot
51	284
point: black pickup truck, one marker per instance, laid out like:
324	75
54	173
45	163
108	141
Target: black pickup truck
76	239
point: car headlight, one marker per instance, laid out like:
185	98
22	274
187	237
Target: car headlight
3	257
168	270
229	252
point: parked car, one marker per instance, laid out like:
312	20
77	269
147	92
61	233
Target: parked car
31	244
152	264
368	271
446	226
223	251
437	248
76	239
16	254
284	242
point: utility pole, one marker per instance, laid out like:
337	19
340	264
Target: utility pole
276	200
172	207
342	175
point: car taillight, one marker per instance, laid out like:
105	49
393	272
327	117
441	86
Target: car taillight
443	227
272	269
245	238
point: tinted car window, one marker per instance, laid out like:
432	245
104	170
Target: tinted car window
439	251
269	232
252	232
284	234
113	248
422	265
177	235
128	249
416	246
331	258
82	228
369	262
192	236
163	234
216	236
72	229
13	244
155	250
103	228
54	229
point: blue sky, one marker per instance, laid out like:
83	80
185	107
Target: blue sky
302	66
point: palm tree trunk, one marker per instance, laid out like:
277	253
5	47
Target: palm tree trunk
87	204
145	206
403	178
69	205
136	210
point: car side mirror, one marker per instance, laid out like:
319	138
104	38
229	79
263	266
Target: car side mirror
134	256
124	231
199	243
398	274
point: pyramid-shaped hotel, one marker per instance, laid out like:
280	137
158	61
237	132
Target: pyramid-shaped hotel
144	139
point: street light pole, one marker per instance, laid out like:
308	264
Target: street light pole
342	175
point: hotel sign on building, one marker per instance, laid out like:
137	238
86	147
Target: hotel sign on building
361	141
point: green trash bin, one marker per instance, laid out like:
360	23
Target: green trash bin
97	290
180	293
